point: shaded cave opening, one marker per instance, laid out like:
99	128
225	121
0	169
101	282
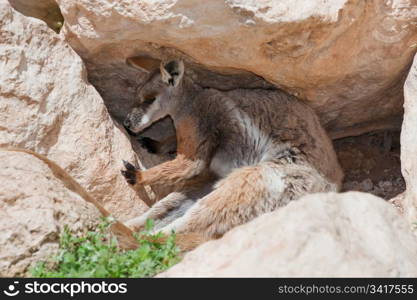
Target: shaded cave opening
370	161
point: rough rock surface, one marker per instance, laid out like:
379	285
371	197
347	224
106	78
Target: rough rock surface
297	45
320	235
48	106
371	163
409	145
34	207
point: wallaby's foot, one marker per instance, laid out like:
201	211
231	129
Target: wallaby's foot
136	224
130	173
163	212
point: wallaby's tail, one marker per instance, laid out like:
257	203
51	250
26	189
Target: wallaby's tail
247	193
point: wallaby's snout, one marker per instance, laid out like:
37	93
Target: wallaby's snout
127	124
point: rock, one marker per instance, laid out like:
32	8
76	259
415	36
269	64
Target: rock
320	235
398	203
48	106
34	207
46	10
37	199
367	185
300	48
408	145
371	163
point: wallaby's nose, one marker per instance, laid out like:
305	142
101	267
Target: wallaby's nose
126	125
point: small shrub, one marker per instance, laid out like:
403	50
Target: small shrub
96	254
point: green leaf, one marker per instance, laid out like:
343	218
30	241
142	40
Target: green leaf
95	254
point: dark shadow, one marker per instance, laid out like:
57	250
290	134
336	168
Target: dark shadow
371	163
46	10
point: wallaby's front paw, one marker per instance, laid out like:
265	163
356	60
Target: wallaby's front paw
130	172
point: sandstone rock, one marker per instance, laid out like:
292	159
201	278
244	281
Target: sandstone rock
297	46
34	207
37	199
48	106
321	235
409	145
398	203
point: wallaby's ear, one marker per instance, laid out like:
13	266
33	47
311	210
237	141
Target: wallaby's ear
143	63
172	72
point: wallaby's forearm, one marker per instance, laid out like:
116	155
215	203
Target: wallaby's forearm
173	172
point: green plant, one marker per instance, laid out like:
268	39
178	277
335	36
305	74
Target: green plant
96	254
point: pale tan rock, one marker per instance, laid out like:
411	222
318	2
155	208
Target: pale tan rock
322	235
34	207
409	145
48	106
347	58
37	200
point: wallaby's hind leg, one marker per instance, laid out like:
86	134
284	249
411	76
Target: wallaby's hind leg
245	194
171	207
160	209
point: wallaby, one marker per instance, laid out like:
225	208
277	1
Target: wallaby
266	148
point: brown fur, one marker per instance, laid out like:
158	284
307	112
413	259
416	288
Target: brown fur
187	137
170	172
182	170
235	199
